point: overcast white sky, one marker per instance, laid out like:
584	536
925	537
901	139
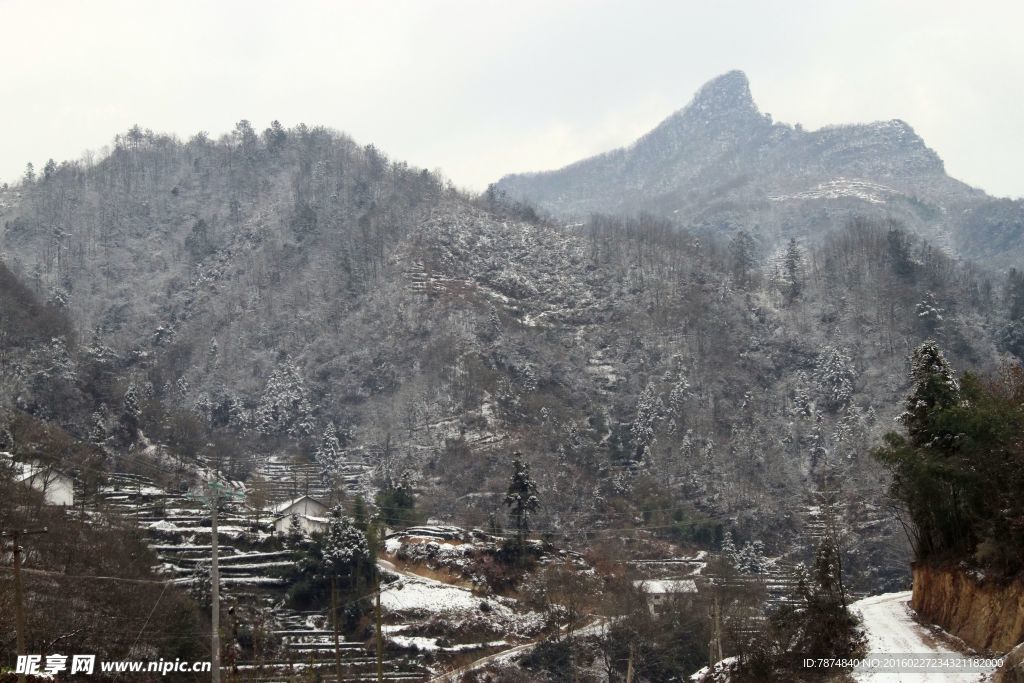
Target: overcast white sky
480	89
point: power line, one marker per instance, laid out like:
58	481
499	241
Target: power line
151	612
122	579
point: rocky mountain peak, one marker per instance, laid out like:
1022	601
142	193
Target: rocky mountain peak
726	93
723	108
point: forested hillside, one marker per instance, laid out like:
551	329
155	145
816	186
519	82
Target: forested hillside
292	292
50	381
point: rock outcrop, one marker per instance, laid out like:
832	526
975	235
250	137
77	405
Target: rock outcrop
1012	670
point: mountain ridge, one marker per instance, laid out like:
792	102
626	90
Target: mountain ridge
717	163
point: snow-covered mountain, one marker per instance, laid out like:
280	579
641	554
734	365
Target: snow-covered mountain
292	286
722	165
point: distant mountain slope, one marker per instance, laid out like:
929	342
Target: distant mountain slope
721	165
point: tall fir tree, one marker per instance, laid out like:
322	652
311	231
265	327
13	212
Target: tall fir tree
934	389
284	408
521	497
328	453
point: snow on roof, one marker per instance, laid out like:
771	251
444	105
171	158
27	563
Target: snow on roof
311	518
666	586
281	507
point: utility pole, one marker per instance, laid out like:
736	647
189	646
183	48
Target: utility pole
380	641
213	496
19	604
715	649
215	586
334	620
629	666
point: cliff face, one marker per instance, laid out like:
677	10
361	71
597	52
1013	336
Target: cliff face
987	615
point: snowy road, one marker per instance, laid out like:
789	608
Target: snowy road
891	630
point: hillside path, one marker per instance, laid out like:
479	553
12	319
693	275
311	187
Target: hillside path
892	630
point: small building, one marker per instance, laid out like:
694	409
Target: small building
662	591
303	505
311	513
307	523
57	487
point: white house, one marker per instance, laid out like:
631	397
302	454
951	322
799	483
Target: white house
303	505
662	591
307	523
311	513
57	488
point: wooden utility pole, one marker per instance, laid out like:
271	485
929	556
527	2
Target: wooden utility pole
629	666
715	649
215	579
213	496
19	598
19	605
380	641
334	620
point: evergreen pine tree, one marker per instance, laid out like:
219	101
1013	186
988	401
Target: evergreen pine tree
835	375
802	397
751	559
397	500
329	451
677	396
284	408
131	411
934	389
649	409
98	430
345	549
521	497
929	313
295	534
729	552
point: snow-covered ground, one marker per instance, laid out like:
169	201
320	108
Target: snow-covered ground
416	596
427	596
892	630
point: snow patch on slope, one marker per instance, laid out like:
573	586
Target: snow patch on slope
843	188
